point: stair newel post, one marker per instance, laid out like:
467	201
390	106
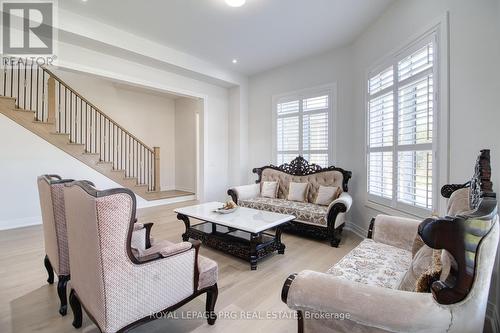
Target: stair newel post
156	151
51	100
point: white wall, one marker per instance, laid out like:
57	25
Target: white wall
185	143
148	115
334	66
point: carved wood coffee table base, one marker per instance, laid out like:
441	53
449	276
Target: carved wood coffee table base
251	244
248	246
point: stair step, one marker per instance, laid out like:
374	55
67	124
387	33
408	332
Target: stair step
104	162
93	154
118	170
38	122
75	144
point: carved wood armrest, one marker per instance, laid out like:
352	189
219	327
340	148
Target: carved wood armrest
461	236
447	190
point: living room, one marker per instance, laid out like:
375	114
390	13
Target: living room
342	111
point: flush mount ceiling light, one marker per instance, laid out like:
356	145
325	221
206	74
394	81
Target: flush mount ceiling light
235	3
235	61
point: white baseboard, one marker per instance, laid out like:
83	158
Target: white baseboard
20	222
361	232
492	317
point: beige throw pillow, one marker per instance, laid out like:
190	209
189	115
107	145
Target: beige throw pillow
269	189
298	192
421	262
326	194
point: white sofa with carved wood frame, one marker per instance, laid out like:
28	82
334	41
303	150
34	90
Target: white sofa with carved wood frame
362	294
311	219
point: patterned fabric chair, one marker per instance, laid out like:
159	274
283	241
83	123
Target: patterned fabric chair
369	289
117	288
50	190
311	219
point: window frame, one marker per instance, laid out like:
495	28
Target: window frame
328	89
440	150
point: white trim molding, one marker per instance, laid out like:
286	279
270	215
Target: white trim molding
356	229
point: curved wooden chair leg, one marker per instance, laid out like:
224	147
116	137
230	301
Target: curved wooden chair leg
212	294
61	291
77	309
50	270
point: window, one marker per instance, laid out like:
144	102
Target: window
303	123
401	140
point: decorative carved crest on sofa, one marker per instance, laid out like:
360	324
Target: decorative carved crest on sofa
301	167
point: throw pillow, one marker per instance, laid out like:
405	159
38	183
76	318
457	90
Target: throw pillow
298	192
421	262
326	194
269	189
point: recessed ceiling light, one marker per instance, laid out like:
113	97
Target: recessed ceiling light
235	61
235	3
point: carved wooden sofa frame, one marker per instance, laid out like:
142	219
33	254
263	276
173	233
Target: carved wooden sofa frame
301	167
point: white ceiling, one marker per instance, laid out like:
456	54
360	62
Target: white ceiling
262	34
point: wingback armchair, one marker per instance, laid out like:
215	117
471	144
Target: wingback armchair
373	288
51	194
117	288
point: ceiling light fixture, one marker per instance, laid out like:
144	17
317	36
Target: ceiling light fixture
235	61
235	3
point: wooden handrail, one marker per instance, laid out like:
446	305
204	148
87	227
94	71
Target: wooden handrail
57	78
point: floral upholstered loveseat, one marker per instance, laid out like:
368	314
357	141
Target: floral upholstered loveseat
311	219
410	275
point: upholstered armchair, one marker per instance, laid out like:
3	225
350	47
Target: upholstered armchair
50	189
120	289
374	288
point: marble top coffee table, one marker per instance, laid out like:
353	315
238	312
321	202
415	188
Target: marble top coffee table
240	233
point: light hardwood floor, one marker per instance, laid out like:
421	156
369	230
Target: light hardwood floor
29	304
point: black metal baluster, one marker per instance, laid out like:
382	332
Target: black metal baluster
58	103
43	93
24	85
37	88
11	80
71	116
31	86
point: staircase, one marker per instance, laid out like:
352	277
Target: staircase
40	101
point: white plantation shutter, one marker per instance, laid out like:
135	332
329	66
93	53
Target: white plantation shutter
400	139
303	128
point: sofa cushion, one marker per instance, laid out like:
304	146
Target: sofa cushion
374	264
269	189
303	211
298	192
326	194
419	265
325	178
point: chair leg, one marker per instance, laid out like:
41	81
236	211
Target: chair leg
212	294
50	270
335	237
61	291
77	309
